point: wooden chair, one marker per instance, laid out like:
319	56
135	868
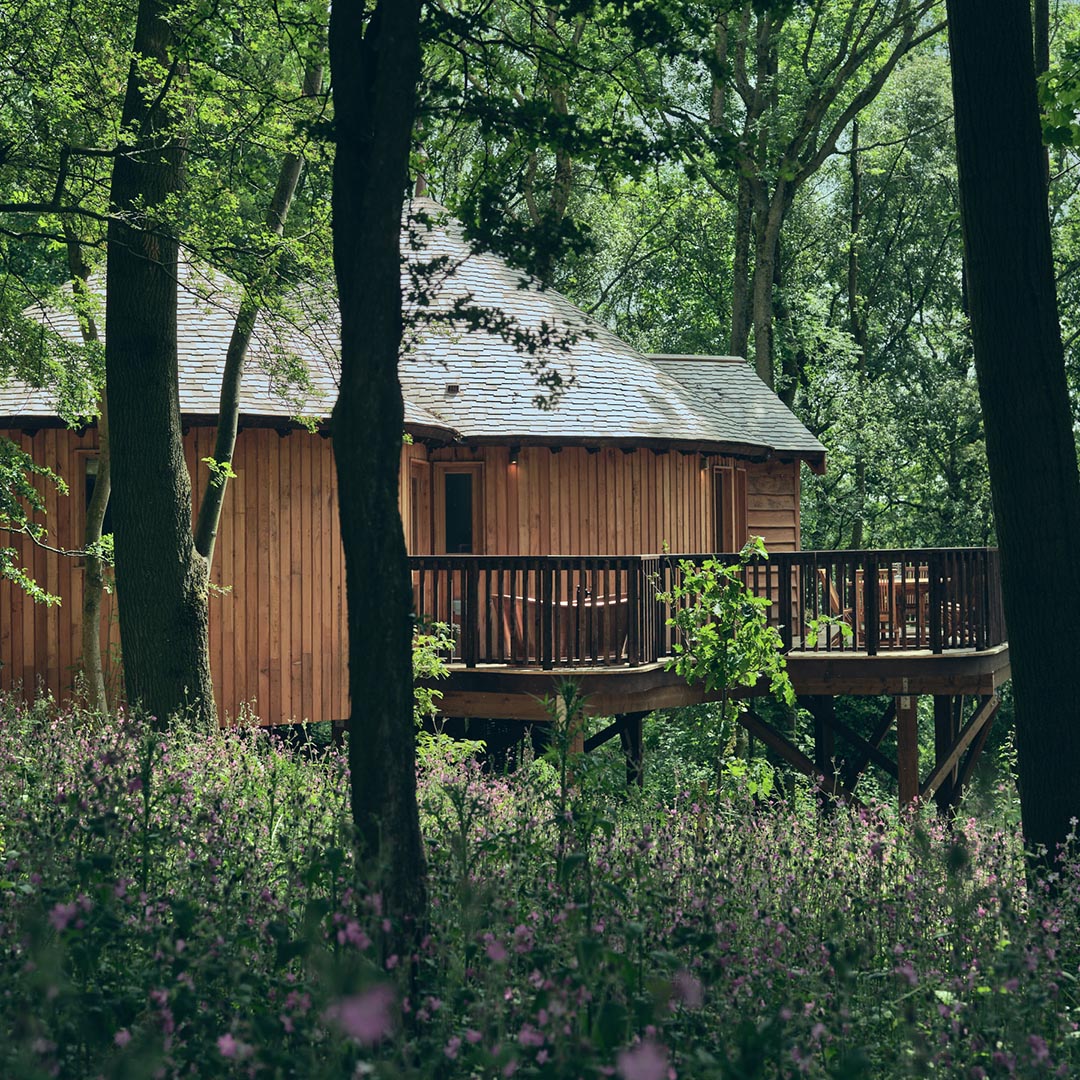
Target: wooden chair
884	606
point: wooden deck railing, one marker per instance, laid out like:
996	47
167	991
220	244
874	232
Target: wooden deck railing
556	611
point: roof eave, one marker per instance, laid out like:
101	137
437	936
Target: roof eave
750	451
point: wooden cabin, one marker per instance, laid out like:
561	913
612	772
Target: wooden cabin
540	534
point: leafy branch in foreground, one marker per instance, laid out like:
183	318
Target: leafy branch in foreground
724	637
19	500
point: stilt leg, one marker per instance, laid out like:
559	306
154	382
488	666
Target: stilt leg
630	735
946	727
823	710
907	747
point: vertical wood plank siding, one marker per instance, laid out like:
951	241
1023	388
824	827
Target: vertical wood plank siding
278	626
613	503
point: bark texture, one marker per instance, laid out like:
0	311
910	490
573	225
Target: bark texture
161	579
1029	434
375	63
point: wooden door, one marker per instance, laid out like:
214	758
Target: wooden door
419	533
729	508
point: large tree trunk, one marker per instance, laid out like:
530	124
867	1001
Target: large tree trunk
1029	433
770	220
1042	64
375	64
161	580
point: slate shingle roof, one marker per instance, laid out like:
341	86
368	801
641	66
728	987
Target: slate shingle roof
730	387
206	307
476	385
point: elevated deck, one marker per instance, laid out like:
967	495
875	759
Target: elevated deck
851	622
902	623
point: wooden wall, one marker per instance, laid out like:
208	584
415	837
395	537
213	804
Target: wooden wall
278	634
277	631
609	502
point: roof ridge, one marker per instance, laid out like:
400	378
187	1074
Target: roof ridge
717	358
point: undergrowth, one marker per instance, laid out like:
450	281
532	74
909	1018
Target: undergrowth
180	904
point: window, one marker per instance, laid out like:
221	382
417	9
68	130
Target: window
459	513
459	519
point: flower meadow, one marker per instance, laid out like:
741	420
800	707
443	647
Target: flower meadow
180	904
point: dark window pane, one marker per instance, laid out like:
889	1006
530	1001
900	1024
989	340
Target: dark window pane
459	513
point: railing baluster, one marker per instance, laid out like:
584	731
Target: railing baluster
546	617
557	611
470	630
786	584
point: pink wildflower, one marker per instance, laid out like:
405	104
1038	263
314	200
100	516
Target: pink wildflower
646	1061
353	935
232	1048
61	915
529	1036
365	1017
122	1038
688	990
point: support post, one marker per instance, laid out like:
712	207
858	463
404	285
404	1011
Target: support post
907	747
946	729
823	709
630	725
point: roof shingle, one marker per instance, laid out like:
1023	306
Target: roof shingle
477	385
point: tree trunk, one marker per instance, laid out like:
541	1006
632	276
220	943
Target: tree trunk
770	219
792	357
856	326
94	579
161	580
741	301
1029	434
213	499
375	63
1042	65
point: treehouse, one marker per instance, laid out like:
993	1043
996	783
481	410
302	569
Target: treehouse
553	481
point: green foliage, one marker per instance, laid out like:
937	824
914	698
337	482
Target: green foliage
725	643
725	640
220	471
431	645
180	904
20	500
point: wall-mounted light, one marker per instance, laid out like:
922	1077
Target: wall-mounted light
514	451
